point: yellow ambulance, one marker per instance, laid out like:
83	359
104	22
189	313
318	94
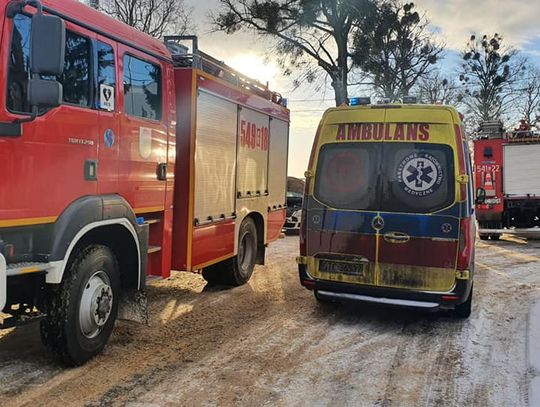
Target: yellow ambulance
388	211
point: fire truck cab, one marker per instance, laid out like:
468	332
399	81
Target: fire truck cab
122	157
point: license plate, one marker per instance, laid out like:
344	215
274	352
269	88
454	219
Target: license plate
340	267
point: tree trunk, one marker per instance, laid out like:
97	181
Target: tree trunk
340	90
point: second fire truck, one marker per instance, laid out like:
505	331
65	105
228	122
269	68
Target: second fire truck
507	168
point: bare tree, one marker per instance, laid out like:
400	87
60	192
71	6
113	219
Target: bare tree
94	4
530	104
434	88
312	37
489	75
154	17
396	49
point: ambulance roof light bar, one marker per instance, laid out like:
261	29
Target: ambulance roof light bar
360	101
409	100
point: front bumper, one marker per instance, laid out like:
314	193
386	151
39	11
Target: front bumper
3	282
392	297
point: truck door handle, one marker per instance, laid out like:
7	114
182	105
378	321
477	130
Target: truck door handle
162	172
396	237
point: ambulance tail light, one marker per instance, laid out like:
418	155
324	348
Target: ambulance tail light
466	242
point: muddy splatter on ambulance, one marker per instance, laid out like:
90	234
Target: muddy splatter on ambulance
388	210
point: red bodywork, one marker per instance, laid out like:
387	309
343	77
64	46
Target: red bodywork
42	170
488	170
197	246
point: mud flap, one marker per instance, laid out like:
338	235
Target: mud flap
133	306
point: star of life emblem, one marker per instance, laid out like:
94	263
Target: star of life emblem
420	174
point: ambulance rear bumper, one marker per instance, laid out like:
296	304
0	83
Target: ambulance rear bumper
3	282
393	297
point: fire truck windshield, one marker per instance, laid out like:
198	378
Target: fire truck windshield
389	177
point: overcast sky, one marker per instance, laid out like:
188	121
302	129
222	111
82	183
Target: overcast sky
453	21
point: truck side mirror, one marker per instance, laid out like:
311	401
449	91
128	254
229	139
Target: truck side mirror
480	196
43	93
47	57
47	45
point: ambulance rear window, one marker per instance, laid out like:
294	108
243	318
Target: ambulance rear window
387	177
346	176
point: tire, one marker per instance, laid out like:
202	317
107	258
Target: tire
463	311
238	270
322	300
484	237
81	311
212	274
495	237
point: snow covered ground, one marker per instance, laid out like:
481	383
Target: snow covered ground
270	343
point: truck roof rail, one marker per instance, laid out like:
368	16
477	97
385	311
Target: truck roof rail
197	59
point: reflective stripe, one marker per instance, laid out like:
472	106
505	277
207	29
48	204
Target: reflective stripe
3	282
378	300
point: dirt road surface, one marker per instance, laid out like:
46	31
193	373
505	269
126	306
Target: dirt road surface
270	343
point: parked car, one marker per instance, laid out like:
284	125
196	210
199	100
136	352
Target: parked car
294	212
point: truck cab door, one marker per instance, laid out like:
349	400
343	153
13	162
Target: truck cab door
106	101
144	142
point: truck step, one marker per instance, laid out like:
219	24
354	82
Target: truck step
15	269
153	249
22	318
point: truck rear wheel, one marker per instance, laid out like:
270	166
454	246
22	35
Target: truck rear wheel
236	271
81	311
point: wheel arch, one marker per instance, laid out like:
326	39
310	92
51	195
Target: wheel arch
107	220
123	244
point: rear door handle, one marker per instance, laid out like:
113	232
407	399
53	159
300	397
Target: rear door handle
396	237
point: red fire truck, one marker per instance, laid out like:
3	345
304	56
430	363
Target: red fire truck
505	166
121	157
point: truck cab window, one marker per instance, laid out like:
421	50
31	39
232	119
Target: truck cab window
142	88
106	74
18	65
76	76
106	70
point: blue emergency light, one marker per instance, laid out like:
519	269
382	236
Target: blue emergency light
359	101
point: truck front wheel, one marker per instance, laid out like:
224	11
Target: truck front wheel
81	311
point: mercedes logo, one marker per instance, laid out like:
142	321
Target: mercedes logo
377	223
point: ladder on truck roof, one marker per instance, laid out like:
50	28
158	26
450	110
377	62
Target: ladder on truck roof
198	59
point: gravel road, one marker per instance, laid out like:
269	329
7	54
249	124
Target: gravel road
270	343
